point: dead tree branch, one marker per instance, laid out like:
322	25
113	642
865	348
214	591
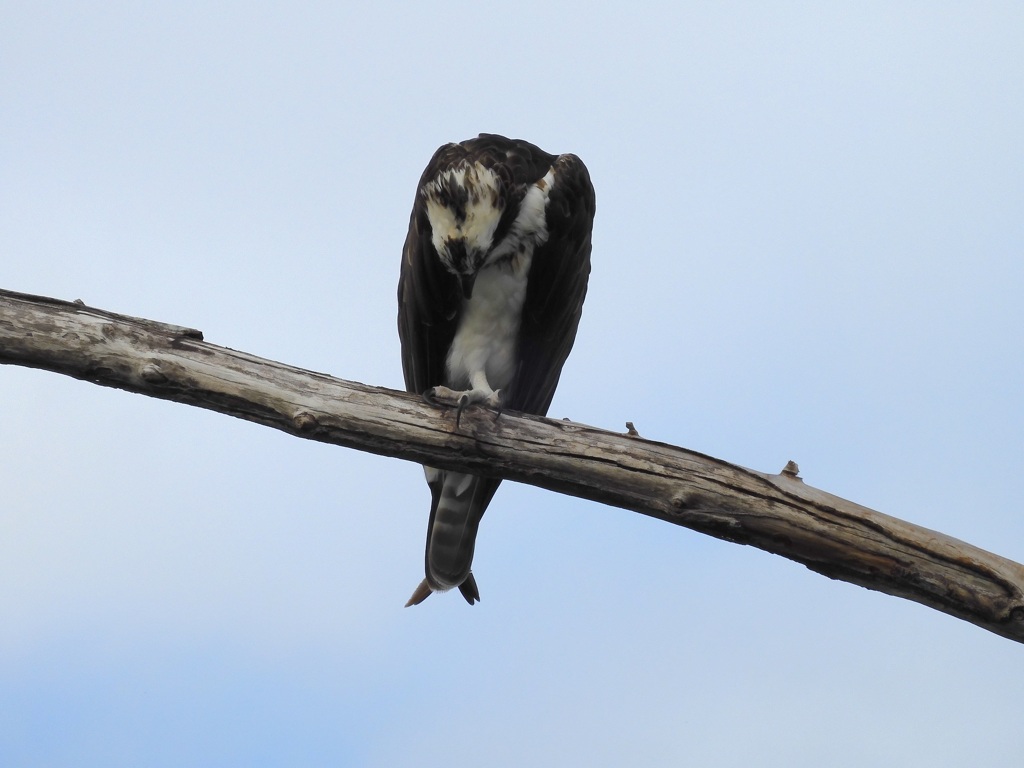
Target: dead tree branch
776	513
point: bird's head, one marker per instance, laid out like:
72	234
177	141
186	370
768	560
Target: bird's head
466	205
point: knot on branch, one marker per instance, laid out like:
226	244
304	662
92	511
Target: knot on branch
682	501
791	470
305	421
152	374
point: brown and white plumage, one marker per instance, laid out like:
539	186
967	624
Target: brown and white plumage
494	274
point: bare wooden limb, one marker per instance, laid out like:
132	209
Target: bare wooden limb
776	513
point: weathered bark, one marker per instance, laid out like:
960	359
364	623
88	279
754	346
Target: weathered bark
777	513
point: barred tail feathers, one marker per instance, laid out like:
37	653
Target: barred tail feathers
451	536
458	502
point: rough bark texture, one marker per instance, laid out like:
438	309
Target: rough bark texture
776	513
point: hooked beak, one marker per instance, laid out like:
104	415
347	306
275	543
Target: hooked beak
457	260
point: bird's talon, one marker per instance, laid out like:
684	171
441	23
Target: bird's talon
463	402
497	401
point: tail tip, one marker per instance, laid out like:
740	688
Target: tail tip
468	588
421	593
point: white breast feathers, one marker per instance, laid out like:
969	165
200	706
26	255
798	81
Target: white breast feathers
486	339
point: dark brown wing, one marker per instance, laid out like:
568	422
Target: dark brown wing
428	297
556	289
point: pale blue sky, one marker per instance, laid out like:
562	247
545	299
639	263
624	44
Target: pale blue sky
808	246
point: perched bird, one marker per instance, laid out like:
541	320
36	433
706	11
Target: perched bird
494	274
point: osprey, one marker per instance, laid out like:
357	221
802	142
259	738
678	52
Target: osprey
493	277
